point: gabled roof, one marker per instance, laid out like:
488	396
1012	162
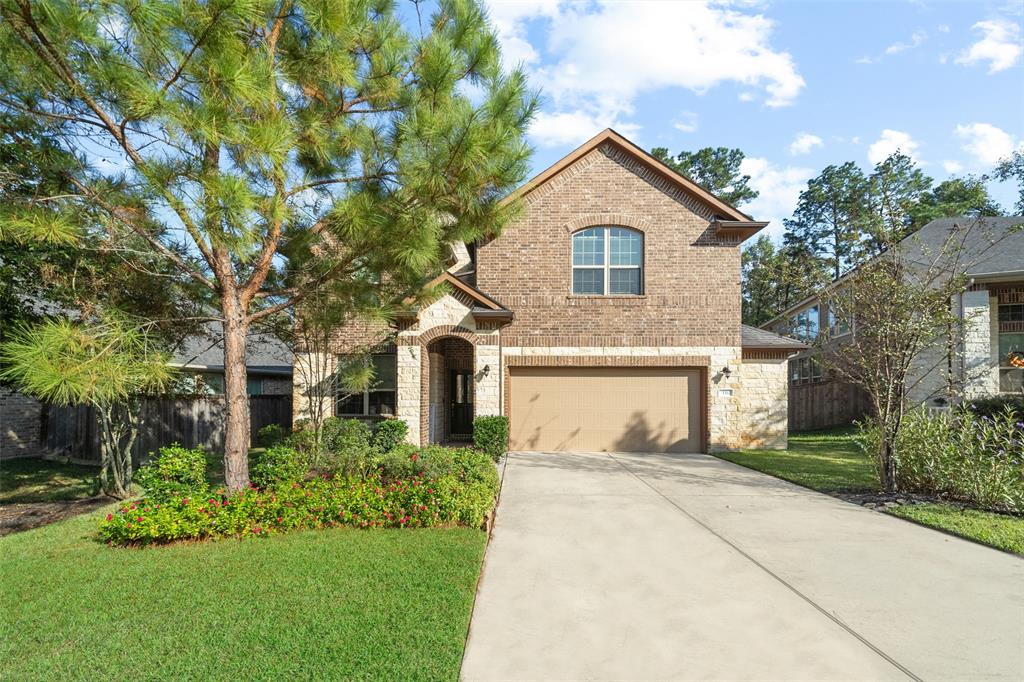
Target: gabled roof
991	249
483	306
728	213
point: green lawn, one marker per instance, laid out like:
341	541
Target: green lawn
829	461
998	530
36	480
331	604
823	460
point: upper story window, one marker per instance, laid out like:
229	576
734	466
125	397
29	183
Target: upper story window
607	261
838	325
805	324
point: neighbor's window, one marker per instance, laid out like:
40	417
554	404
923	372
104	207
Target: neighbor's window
805	370
838	325
607	260
805	324
379	398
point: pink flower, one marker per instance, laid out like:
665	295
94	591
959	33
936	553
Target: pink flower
139	519
110	517
414	457
184	501
280	520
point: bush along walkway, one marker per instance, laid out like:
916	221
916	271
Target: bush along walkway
833	462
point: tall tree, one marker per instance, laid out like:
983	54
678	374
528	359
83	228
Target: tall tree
1012	168
716	169
953	198
896	186
266	148
831	215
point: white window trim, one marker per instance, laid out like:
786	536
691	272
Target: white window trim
607	266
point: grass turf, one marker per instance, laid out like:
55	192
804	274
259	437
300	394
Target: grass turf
30	479
822	460
829	461
997	530
331	604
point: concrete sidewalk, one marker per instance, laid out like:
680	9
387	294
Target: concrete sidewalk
689	567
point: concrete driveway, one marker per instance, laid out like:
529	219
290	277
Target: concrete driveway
630	566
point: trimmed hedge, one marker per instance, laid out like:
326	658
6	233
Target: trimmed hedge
172	472
490	434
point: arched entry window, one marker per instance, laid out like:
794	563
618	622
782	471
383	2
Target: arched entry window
607	261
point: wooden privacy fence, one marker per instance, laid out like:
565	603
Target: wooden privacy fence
824	404
189	421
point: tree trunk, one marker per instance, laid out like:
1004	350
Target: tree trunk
236	395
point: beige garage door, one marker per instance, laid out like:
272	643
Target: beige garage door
605	409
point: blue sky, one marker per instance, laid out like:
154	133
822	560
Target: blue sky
795	85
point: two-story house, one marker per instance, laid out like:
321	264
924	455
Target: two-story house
980	358
606	317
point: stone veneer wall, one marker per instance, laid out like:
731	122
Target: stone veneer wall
20	423
763	406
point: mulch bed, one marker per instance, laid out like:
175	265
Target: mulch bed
21	516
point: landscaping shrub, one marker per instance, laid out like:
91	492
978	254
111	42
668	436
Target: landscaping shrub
389	434
977	459
992	406
279	464
435	461
270	435
373	502
347	449
490	434
173	472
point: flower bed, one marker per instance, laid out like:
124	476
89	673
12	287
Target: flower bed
407	489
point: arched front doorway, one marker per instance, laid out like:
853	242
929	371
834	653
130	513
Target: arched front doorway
450	395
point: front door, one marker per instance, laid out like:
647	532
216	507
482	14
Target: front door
460	416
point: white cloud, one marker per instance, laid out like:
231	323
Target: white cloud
892	141
592	60
985	142
803	143
574	128
1000	45
916	39
952	167
687	122
779	191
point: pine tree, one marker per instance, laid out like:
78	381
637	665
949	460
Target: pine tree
266	148
716	169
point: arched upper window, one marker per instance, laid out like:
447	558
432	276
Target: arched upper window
607	261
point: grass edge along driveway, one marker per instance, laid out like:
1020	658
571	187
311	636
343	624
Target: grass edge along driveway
328	604
829	461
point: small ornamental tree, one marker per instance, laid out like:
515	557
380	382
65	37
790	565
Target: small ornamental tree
107	364
901	303
268	148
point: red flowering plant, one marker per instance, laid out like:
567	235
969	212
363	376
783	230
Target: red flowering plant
460	492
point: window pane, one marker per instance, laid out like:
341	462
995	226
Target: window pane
588	247
382	403
1011	313
350	405
624	281
1009	343
626	246
254	386
213	384
385	371
587	281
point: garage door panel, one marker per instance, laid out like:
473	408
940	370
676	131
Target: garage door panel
605	409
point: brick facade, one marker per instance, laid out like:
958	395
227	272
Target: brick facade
20	424
687	272
688	314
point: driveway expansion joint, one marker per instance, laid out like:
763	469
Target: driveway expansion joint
789	586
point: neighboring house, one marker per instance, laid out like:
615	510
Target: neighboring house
28	428
976	363
200	361
605	317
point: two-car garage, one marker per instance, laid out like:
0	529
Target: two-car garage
606	409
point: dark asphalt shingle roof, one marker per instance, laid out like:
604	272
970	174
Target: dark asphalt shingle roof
989	244
205	351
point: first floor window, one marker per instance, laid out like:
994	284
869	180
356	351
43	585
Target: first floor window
378	399
1011	363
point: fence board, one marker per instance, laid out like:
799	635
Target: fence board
824	404
73	430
